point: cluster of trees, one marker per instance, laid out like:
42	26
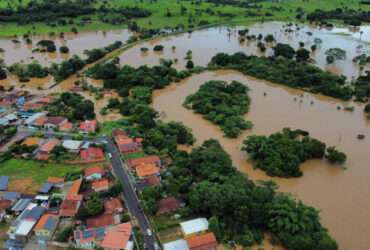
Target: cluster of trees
349	16
26	71
206	180
72	106
362	87
46	46
281	154
54	10
223	104
2	73
6	133
94	55
286	71
285	50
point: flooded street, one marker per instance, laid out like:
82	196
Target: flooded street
77	43
204	44
342	195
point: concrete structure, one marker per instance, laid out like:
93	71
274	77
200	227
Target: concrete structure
72	145
193	227
176	245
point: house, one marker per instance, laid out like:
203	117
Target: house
103	220
176	245
40	122
151	159
4	181
88	126
72	201
94	173
202	242
54	122
167	205
92	154
4	205
66	127
113	206
21	205
125	143
31	119
45	188
56	181
72	145
31	141
147	170
46	148
89	237
118	238
193	227
100	185
45	227
11	196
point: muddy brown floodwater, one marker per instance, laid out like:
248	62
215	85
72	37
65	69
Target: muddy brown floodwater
204	44
77	43
342	195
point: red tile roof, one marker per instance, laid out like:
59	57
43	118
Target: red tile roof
92	153
69	208
93	170
151	159
100	185
74	189
88	126
202	242
49	145
41	224
56	120
118	237
167	205
66	126
146	170
55	180
102	220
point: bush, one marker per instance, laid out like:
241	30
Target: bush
334	156
158	47
64	50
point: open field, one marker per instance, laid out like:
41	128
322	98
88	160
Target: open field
284	11
28	175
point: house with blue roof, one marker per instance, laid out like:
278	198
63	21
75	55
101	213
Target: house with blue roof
88	238
45	228
4	181
11	196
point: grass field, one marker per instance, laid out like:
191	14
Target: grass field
159	9
28	175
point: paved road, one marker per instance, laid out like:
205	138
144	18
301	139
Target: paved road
132	202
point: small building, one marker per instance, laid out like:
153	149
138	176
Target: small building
113	206
89	237
88	126
4	181
72	145
11	196
32	118
202	242
103	220
118	238
147	170
45	188
193	227
92	154
31	141
176	245
151	159
21	205
56	181
167	205
125	143
66	127
54	122
94	173
45	228
100	185
46	148
72	201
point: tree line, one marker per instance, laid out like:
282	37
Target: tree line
349	16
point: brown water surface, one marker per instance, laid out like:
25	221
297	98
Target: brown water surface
204	44
342	195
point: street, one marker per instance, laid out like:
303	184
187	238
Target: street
132	202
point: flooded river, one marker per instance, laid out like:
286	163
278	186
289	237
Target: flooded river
204	44
77	43
342	195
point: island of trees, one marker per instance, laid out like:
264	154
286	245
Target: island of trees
281	154
223	104
285	70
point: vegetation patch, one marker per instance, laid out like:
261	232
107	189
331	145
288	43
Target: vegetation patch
223	104
281	154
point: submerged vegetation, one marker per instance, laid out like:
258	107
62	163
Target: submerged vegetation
282	70
281	154
223	104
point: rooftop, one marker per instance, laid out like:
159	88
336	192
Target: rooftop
194	226
118	237
145	170
55	180
93	170
72	144
176	245
31	141
92	153
49	145
102	220
151	159
47	222
205	241
168	205
4	181
96	185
